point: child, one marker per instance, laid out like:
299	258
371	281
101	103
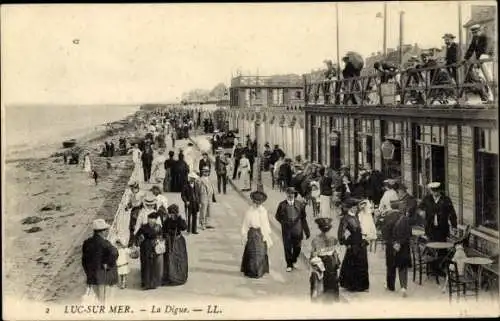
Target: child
315	193
122	263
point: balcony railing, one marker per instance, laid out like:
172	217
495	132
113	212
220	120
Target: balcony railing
437	85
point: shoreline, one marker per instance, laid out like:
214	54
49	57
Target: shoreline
46	261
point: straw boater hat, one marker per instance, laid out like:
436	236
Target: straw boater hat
100	225
291	190
192	175
448	36
258	196
150	199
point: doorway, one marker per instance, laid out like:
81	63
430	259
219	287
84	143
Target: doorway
428	166
487	190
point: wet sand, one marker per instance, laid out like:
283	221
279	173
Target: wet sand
48	209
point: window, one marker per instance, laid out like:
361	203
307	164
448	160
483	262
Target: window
298	94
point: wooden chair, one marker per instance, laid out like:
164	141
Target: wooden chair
422	262
459	284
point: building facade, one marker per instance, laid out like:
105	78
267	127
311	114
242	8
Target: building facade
269	109
455	144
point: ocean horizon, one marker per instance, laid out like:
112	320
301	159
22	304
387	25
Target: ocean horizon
32	130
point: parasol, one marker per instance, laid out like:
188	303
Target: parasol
355	59
204	145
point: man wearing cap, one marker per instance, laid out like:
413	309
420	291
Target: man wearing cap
451	54
221	163
191	197
481	47
439	213
291	214
99	261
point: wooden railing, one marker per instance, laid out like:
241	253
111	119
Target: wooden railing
437	85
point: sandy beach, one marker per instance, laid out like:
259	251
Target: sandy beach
48	209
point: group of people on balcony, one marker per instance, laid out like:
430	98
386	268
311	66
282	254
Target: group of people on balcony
415	76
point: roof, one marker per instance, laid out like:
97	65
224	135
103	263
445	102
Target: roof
481	14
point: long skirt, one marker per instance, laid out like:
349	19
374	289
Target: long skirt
245	178
354	271
151	266
255	262
167	182
138	173
175	270
324	206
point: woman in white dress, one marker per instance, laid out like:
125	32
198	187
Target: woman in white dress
159	167
365	215
256	235
138	174
87	163
244	170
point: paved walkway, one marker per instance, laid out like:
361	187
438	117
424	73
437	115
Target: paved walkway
429	290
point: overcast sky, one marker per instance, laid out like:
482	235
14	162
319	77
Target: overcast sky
152	53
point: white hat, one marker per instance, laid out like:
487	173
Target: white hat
434	185
99	225
192	175
475	27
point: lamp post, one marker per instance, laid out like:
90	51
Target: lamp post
260	186
384	16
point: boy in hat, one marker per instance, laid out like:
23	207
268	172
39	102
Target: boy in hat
207	197
99	261
325	263
291	214
439	214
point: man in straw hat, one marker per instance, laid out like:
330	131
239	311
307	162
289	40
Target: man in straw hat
451	57
439	213
325	262
221	163
99	261
291	214
149	206
256	236
191	197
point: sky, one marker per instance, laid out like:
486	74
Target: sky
133	53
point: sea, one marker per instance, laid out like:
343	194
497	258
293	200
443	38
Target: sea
32	131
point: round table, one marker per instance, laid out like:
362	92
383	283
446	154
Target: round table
439	245
479	262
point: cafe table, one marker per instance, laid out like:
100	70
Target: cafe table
434	247
480	262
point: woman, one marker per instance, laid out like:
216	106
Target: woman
168	165
256	235
159	167
180	173
175	261
326	193
354	270
366	221
149	237
244	170
325	263
138	174
134	199
87	163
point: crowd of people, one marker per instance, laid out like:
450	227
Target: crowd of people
425	68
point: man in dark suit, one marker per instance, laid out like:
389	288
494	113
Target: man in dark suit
451	54
439	214
291	214
190	195
204	162
221	163
99	261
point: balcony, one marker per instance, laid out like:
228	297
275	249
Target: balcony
267	81
437	88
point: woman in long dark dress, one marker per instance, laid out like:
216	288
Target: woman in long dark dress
256	235
169	165
180	173
354	271
325	263
151	262
175	270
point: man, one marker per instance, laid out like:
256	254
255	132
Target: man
191	197
99	261
238	151
291	214
408	206
205	162
147	162
372	183
451	54
207	196
481	46
439	213
396	232
221	163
